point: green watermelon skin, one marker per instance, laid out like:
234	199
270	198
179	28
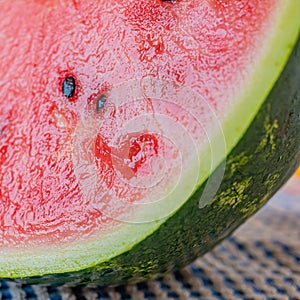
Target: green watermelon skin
262	161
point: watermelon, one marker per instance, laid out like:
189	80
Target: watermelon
136	135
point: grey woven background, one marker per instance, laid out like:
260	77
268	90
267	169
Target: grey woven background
260	261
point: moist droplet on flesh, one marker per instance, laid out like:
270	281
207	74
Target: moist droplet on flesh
69	86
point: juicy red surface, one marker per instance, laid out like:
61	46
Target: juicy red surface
204	45
140	149
132	154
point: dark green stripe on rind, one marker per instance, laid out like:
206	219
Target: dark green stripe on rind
263	160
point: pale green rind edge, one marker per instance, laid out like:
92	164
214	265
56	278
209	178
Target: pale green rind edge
15	264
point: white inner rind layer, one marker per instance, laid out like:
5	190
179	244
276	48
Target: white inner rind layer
274	54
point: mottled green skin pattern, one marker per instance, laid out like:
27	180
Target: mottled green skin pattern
257	167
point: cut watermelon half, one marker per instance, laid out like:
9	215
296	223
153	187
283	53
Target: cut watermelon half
135	135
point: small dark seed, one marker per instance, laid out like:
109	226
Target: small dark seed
100	102
69	86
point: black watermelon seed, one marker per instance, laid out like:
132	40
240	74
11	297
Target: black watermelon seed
69	86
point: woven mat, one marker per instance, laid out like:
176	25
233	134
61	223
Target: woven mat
260	261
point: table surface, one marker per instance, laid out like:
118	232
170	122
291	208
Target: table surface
261	260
